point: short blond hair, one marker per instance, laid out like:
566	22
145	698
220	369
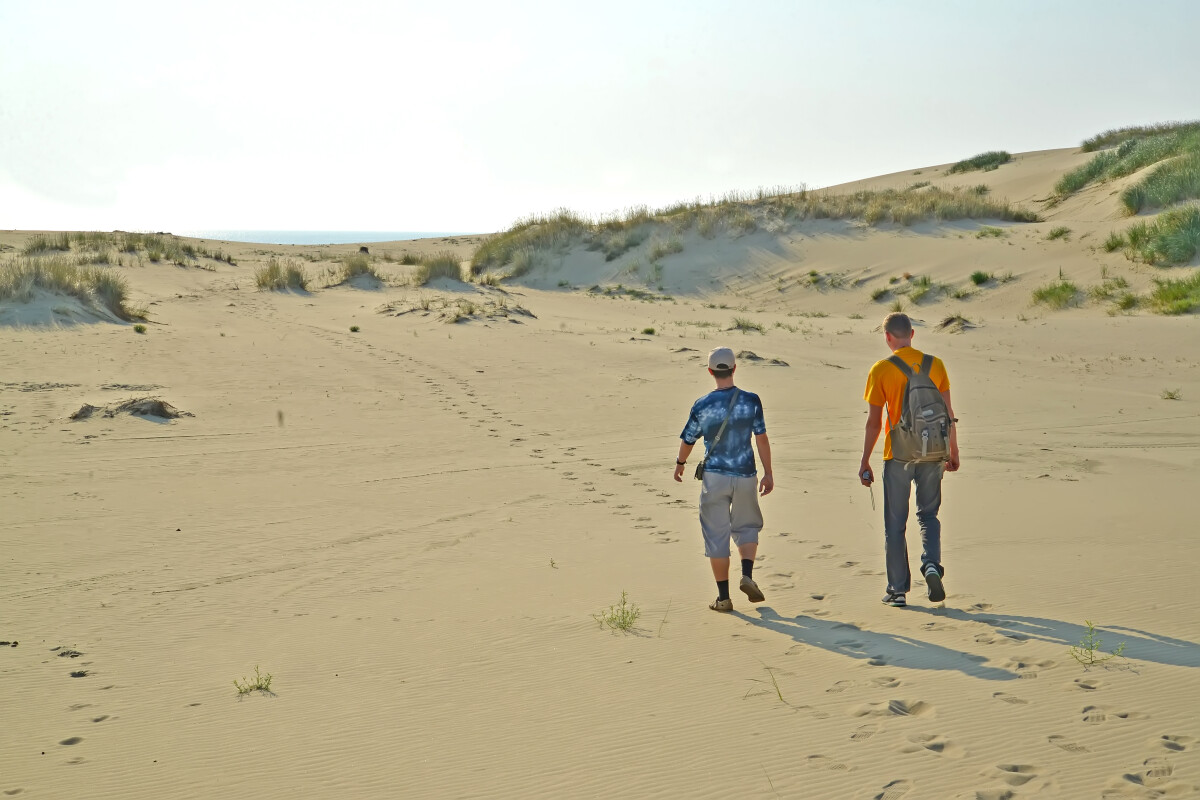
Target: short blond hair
898	325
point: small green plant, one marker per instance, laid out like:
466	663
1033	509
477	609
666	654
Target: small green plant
989	231
979	277
1176	296
139	328
1115	241
553	565
746	325
879	294
648	331
897	306
620	617
1060	232
354	329
1088	652
1057	295
261	683
1171	394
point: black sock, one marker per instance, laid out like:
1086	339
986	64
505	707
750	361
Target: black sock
722	590
748	567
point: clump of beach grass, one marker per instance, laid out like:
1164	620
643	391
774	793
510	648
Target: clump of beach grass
43	243
279	275
444	264
1176	296
621	616
987	162
979	277
356	265
880	293
92	286
1172	394
1175	180
989	231
1057	295
1059	232
1172	238
746	325
659	249
1117	136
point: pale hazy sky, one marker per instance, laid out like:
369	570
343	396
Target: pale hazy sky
467	115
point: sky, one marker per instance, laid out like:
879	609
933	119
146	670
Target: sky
466	116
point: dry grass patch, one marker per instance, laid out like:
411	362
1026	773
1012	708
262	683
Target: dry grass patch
92	286
280	276
439	265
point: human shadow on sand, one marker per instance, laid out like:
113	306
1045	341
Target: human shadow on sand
1139	645
879	649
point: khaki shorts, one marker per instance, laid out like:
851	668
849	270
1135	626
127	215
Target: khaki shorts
728	509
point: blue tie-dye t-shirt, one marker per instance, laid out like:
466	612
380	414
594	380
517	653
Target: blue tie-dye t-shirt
734	454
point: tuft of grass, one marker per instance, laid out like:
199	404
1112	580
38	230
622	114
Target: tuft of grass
1057	295
260	683
356	265
746	325
1115	241
880	293
979	277
439	265
1088	652
989	231
354	329
1060	232
554	231
1171	394
659	249
1176	296
94	286
984	161
1117	136
43	243
279	276
408	259
1177	145
622	616
139	328
1173	238
648	331
923	287
897	306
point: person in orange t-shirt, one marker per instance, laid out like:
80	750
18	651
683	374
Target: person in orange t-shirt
885	387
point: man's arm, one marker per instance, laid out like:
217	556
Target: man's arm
871	436
764	455
953	462
685	450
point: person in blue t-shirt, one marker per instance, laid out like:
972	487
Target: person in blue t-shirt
730	486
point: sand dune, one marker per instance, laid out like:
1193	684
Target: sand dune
411	526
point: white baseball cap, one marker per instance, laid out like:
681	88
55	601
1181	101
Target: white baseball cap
721	358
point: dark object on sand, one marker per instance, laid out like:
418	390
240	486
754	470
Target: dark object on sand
138	407
364	249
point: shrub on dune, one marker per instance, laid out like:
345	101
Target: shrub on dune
439	265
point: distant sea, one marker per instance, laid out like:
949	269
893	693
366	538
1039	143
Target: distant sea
316	237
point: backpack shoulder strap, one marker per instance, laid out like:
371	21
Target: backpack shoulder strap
905	368
926	365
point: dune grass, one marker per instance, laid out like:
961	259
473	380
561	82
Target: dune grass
1172	238
1057	295
1118	135
736	213
355	265
93	286
989	231
280	276
979	277
444	264
984	161
1174	181
1176	296
44	243
1060	232
746	325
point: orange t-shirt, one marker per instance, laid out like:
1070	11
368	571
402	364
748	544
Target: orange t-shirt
886	384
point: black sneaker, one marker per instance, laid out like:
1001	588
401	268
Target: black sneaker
933	585
895	600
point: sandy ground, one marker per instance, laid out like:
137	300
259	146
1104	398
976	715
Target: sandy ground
411	527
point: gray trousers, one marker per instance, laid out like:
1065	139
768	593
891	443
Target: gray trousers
898	478
728	509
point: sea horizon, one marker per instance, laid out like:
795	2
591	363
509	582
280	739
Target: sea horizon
315	237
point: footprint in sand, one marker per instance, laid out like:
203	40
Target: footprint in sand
1087	684
1176	744
893	708
1071	747
886	682
1011	699
1016	774
1028	669
864	732
982	607
932	743
895	790
994	794
1155	772
939	626
848	564
1094	715
825	762
839	687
